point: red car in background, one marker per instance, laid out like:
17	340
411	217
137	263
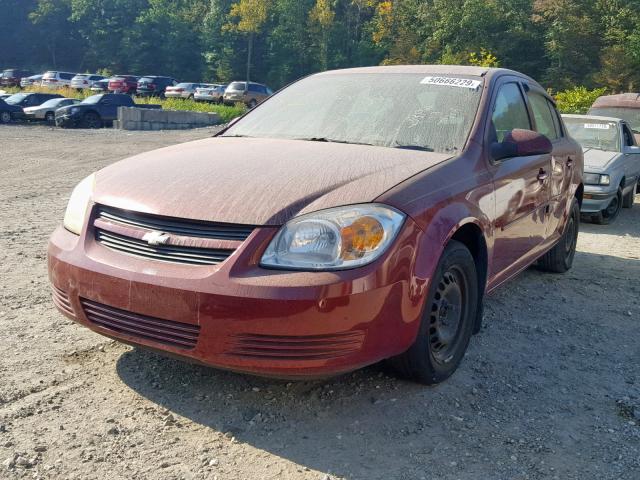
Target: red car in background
123	84
355	216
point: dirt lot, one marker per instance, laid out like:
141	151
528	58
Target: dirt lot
549	389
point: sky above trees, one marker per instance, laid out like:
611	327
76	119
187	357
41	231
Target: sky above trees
562	43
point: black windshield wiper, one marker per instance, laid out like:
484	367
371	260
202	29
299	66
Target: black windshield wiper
421	148
331	140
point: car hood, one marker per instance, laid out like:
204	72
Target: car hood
598	159
255	181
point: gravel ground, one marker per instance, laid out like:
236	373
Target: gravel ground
550	389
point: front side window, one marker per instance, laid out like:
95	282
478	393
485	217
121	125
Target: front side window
509	112
398	110
543	115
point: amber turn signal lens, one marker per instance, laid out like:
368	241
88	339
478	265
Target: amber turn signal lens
362	236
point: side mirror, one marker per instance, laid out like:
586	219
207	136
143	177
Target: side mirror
632	149
521	143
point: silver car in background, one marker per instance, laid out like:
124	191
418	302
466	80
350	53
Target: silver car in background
184	90
32	80
85	80
214	93
611	164
47	110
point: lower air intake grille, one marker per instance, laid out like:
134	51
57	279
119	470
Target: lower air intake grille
175	334
61	300
309	347
167	253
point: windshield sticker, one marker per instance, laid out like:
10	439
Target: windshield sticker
598	126
452	82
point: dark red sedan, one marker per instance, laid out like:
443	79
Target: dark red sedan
357	215
123	84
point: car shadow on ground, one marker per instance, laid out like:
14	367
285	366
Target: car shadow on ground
530	357
627	223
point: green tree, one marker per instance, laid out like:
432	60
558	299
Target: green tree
248	17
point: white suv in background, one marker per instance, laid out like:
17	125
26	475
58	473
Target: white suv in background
54	79
85	80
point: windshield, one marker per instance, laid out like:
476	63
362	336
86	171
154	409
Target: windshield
237	86
184	85
50	75
53	102
631	115
16	98
384	109
93	99
590	133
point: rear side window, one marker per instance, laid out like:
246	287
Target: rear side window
543	113
67	76
509	111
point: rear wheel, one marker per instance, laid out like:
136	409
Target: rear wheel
609	214
629	198
92	120
447	321
560	258
5	117
252	103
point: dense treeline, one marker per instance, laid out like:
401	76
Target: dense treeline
560	42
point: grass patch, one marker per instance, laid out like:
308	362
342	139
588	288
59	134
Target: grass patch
225	112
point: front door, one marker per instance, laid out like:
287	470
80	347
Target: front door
521	190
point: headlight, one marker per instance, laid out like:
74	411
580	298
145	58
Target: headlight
596	179
77	207
338	238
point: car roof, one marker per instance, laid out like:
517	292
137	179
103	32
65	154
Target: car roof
433	69
592	117
621	100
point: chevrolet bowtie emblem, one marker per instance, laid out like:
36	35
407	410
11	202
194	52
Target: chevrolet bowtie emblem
156	238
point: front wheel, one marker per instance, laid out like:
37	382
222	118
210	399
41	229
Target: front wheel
252	103
560	258
92	120
50	117
609	214
447	321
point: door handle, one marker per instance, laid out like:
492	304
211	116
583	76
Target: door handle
542	176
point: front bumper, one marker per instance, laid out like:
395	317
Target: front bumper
239	316
597	198
67	120
17	116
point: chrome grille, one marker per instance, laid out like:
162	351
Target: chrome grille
167	253
177	226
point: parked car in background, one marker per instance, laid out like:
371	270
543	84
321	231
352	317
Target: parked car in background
32	80
328	235
96	111
53	79
154	86
250	94
611	164
184	90
24	100
85	80
9	112
47	110
101	86
13	77
123	84
625	106
5	95
214	93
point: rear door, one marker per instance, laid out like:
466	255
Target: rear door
522	187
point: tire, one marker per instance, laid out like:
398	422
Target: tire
92	120
252	103
609	214
629	198
50	117
5	117
444	331
560	258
